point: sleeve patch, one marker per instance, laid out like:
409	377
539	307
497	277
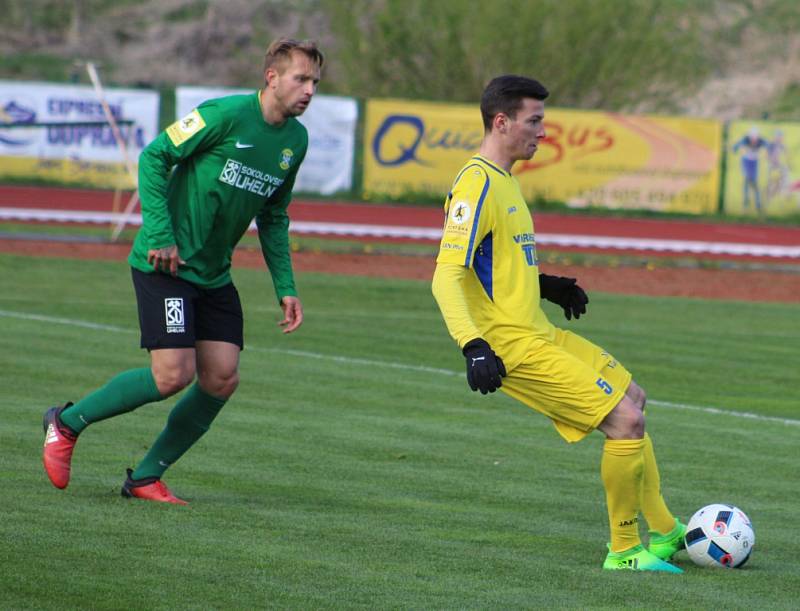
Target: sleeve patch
457	225
460	212
180	131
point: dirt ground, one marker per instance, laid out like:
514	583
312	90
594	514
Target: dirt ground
774	286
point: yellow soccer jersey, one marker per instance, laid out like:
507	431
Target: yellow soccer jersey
489	231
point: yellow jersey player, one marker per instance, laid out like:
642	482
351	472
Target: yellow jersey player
488	287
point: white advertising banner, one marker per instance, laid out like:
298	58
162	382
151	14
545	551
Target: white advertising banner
331	124
51	130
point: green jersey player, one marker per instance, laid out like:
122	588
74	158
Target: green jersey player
235	159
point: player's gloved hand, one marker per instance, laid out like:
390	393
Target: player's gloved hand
564	292
484	368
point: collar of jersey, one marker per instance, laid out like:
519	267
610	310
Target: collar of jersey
483	160
260	109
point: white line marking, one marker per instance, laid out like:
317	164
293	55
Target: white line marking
357	361
65	321
387	364
435	234
724	412
71	216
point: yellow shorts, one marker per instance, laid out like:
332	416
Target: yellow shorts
571	381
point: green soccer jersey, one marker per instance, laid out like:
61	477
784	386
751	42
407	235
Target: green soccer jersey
232	167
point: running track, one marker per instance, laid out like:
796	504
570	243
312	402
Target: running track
391	222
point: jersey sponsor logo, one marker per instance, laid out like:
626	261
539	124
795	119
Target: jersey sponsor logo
242	145
460	213
173	308
452	246
241	176
512	209
529	250
180	131
286	159
527	243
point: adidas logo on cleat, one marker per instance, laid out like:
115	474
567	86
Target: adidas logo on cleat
51	436
630	563
637	559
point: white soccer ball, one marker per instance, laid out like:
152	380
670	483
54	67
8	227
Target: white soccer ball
721	536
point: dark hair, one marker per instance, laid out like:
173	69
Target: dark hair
280	51
505	94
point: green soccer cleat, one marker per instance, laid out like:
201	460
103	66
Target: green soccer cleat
665	546
637	559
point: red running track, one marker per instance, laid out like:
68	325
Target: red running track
410	216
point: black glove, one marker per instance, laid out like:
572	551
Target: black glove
484	367
564	292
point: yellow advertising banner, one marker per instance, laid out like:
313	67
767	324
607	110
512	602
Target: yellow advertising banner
759	177
67	171
587	158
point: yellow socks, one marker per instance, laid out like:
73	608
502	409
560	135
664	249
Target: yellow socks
622	471
655	511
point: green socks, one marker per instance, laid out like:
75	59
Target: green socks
188	421
121	394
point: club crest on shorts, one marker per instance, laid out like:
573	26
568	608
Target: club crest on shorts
173	308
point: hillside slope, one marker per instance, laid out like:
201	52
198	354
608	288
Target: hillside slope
750	49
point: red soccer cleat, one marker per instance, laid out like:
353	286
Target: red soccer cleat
149	489
59	442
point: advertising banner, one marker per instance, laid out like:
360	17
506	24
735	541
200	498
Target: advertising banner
331	124
762	168
587	158
50	131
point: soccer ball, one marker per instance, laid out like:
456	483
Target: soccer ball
721	536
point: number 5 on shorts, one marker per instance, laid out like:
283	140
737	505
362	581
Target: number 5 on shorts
604	386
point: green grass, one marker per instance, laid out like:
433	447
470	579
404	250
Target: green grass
343	474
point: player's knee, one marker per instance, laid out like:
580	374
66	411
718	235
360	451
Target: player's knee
636	428
637	394
625	421
220	384
229	385
170	380
631	425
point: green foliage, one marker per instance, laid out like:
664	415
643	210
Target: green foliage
36	66
189	11
45	15
590	54
354	469
787	106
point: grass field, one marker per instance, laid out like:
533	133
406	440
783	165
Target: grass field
354	469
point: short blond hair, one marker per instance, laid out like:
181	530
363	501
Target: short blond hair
280	51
